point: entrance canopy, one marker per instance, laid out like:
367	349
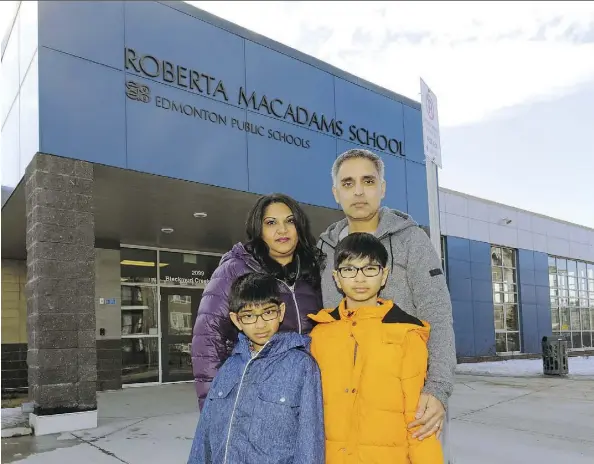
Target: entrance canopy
133	208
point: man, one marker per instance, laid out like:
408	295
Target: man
416	282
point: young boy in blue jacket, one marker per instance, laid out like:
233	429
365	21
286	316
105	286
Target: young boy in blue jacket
265	404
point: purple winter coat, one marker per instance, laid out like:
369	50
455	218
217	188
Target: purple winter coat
215	335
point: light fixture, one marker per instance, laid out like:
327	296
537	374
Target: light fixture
167	230
200	215
506	221
130	262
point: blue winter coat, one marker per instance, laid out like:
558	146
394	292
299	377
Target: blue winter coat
265	410
214	333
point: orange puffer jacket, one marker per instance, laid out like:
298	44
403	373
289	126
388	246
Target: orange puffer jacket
373	363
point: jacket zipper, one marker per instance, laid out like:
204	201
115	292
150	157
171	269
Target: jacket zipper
235	406
292	290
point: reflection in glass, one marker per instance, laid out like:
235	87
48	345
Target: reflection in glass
567	337
561	266
555	318
496	259
582	270
577	339
180	361
590	268
511	317
564	312
500	342
509	257
571	268
140	360
552	265
585	316
180	314
497	274
138	266
513	341
575	319
499	318
562	281
505	298
510	298
553	280
139	310
587	339
509	276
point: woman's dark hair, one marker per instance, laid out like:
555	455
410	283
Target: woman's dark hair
309	257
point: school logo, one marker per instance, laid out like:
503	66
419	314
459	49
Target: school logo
139	92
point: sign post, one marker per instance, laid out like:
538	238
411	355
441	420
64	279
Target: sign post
432	148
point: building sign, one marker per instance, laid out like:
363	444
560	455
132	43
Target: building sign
186	269
213	87
431	141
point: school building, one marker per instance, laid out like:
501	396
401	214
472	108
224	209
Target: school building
135	138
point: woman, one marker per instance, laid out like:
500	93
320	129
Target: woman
279	243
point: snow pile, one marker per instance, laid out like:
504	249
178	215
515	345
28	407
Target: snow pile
525	367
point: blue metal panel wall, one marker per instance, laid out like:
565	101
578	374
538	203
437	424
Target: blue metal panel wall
535	308
469	279
187	102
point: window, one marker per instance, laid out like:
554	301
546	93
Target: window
145	275
505	299
572	301
443	256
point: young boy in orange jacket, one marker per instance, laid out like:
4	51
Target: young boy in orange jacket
373	359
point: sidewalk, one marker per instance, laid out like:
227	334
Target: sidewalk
495	419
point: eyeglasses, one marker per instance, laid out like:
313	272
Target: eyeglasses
350	272
268	315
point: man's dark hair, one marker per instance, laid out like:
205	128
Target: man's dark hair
253	289
360	245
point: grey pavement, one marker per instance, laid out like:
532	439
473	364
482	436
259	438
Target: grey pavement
495	420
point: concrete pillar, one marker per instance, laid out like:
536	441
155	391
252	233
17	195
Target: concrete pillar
62	355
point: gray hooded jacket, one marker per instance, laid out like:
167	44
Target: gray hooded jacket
416	284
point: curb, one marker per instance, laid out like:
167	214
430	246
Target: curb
17	432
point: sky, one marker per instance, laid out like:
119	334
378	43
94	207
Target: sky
514	82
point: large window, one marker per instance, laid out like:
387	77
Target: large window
572	301
505	299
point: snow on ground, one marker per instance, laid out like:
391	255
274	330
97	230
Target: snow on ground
525	367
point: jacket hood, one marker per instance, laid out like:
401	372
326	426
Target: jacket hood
238	252
403	320
279	343
391	222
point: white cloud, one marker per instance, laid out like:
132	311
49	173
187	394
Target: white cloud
478	57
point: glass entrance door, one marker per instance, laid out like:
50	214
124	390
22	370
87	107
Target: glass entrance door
178	314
